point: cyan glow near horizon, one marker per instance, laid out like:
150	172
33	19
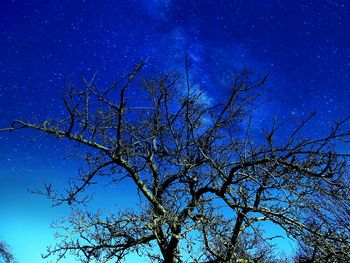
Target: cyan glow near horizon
303	45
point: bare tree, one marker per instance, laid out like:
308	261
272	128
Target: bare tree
5	253
207	181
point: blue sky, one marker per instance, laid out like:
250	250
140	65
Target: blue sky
303	45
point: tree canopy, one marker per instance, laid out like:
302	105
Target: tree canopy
208	182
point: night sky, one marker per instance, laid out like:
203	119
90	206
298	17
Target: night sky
304	46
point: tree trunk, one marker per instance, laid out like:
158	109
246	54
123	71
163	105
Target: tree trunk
235	235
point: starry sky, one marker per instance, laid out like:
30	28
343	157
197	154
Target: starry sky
302	45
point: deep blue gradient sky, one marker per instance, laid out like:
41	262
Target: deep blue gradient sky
303	45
